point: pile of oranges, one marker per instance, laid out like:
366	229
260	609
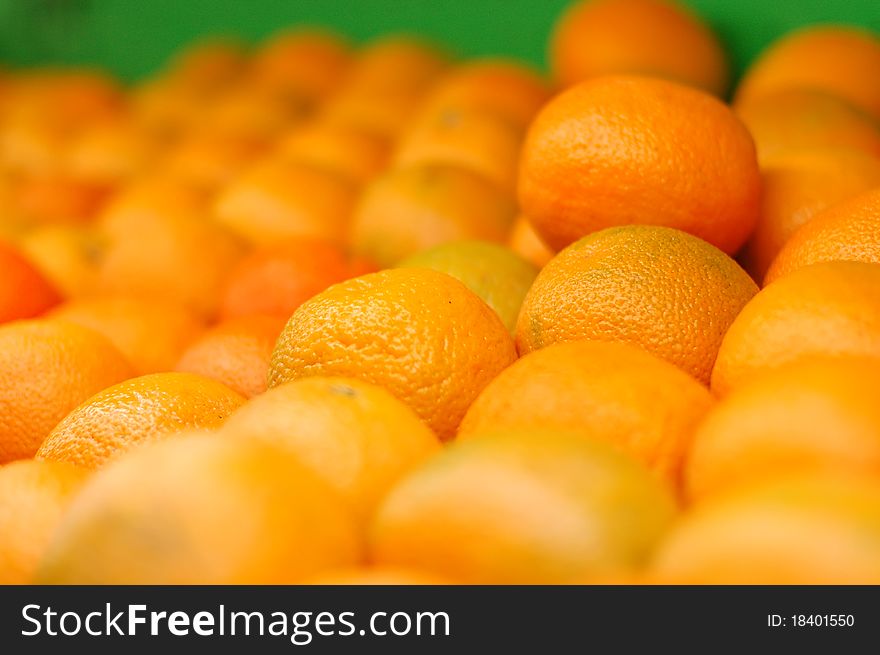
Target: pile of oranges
315	314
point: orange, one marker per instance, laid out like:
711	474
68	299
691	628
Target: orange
808	529
24	291
510	90
277	279
830	308
799	185
311	63
620	150
376	576
355	153
611	392
537	507
818	414
151	239
479	141
33	498
134	412
67	255
202	510
164	110
110	152
355	436
210	160
278	199
847	231
420	334
387	114
649	37
496	274
151	334
840	60
794	119
526	243
410	209
235	352
47	368
207	64
658	288
58	198
251	113
395	64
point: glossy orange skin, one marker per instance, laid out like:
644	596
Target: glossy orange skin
815	415
839	60
137	411
411	209
355	436
847	231
235	352
202	510
613	392
150	333
419	333
24	291
596	289
47	368
831	308
647	37
277	279
33	498
620	150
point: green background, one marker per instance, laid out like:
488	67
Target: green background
133	37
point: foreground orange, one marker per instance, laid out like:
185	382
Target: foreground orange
24	291
202	510
136	411
648	37
830	308
810	529
419	333
847	231
33	497
818	414
355	436
534	507
597	289
47	368
619	150
612	392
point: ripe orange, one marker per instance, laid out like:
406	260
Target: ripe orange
355	436
395	65
526	243
477	140
207	64
410	209
134	412
658	288
420	334
47	368
648	37
376	575
506	88
235	352
798	186
67	255
847	231
495	273
622	150
150	333
202	510
210	160
33	498
110	152
251	113
818	414
151	239
830	308
809	529
386	114
355	153
277	279
610	392
795	119
55	198
278	199
536	507
840	60
24	291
